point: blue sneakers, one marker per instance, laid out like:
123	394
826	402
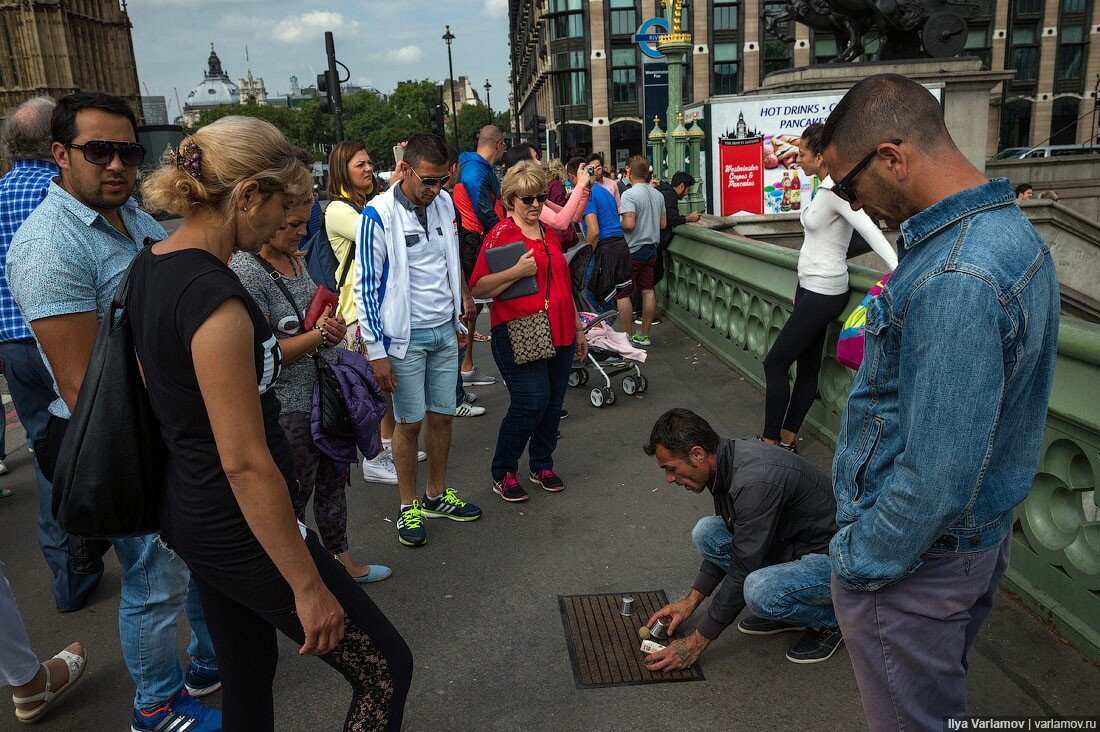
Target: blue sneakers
181	713
201	682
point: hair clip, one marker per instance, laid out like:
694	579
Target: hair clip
189	160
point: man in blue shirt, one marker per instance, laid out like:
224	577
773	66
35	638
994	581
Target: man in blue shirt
64	266
608	273
26	143
940	437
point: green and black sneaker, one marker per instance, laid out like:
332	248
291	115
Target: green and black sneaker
449	505
410	526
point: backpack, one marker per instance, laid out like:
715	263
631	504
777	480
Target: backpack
321	260
849	347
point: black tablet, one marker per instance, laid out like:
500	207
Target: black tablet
505	257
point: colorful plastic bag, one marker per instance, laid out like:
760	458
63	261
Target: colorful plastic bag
849	347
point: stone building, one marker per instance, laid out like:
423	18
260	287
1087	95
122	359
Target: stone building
576	63
252	91
57	47
215	90
464	93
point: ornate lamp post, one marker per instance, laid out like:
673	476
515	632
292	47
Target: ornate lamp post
449	37
676	45
488	104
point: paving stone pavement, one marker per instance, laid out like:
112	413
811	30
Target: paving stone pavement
478	604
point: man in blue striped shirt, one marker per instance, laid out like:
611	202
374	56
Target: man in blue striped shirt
26	143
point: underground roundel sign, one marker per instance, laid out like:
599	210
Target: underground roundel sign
647	35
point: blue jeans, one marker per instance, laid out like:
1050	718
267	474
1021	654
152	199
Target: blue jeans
793	592
425	376
32	391
537	392
460	393
155	583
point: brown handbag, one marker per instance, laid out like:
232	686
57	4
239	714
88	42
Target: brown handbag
530	335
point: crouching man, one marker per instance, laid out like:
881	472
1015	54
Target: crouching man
766	546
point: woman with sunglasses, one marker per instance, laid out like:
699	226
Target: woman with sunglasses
821	297
536	389
210	361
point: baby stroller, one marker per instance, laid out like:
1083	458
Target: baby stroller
605	356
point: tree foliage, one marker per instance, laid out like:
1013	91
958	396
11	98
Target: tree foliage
379	123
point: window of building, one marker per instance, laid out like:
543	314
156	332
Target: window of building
564	6
570	78
727	15
1029	7
624	75
727	67
1025	53
978	45
824	47
624	17
777	54
1063	122
566	19
1016	123
1072	51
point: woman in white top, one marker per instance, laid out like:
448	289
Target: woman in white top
821	297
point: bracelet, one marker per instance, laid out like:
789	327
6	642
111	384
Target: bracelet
324	336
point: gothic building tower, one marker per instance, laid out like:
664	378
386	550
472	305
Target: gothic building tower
57	47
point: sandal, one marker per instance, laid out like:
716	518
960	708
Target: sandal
6	493
76	665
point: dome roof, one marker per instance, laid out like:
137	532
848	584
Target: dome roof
215	89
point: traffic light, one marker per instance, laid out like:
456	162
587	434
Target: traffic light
436	121
540	123
325	87
328	84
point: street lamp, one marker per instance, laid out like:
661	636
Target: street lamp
449	37
488	104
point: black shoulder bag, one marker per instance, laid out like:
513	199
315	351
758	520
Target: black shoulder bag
111	464
333	409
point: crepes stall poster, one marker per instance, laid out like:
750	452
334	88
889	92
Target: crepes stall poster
754	141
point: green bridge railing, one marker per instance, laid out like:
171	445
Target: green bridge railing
734	295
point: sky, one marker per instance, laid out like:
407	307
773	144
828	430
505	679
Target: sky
381	42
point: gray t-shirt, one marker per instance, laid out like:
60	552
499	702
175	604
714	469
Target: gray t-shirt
296	381
647	205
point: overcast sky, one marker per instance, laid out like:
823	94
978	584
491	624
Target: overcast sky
381	42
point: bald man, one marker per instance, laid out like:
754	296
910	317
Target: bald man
940	437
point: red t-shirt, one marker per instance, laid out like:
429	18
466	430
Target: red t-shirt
563	314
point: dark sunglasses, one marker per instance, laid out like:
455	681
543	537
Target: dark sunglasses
528	200
844	189
432	181
102	152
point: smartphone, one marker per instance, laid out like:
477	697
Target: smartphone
398	154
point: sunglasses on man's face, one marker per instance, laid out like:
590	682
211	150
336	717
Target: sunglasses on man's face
844	188
432	181
528	200
102	152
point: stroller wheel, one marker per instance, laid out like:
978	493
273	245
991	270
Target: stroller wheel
596	397
630	386
584	376
608	395
643	383
575	378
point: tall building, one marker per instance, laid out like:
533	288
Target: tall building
575	62
57	47
252	91
154	110
464	93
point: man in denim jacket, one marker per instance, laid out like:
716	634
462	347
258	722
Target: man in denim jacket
940	437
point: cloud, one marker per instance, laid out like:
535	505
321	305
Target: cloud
496	8
311	26
405	55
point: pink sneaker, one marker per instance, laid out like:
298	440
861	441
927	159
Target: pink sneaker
548	480
509	489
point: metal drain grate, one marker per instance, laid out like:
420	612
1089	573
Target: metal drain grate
603	645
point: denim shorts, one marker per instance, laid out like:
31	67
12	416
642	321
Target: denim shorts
427	374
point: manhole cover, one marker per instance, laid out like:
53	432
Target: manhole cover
604	645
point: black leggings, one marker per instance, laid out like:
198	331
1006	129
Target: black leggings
373	656
801	340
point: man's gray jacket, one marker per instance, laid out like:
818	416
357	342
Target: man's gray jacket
777	506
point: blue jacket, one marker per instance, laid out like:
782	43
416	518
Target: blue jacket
477	194
940	437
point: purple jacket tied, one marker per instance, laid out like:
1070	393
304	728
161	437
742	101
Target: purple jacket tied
366	406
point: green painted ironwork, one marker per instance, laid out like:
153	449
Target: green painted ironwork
734	295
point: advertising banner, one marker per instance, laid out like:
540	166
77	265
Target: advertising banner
764	131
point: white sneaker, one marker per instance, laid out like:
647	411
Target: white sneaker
469	397
4	468
380	469
474	377
468	410
387	445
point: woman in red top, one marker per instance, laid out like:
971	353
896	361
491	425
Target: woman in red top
537	389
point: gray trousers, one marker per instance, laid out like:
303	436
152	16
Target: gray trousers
18	664
908	641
